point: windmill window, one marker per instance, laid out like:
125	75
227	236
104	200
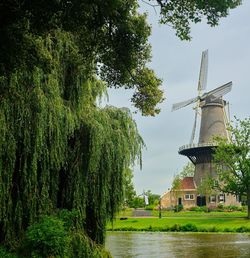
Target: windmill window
189	197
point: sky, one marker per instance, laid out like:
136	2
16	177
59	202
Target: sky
177	63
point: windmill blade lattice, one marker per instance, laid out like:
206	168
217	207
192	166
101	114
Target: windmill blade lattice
202	83
219	92
183	103
194	127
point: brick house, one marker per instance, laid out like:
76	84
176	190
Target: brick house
188	196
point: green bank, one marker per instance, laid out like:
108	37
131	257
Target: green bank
185	222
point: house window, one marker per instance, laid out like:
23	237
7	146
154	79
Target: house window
189	197
221	198
212	198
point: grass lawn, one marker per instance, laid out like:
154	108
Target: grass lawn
186	221
199	214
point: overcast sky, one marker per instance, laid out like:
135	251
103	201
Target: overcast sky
177	63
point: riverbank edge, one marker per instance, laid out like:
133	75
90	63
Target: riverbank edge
175	232
189	227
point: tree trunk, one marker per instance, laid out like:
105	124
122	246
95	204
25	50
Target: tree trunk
248	204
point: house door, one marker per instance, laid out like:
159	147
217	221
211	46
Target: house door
201	200
179	201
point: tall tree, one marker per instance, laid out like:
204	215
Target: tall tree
187	170
176	190
129	190
206	189
233	161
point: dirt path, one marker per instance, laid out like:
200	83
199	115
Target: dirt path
141	213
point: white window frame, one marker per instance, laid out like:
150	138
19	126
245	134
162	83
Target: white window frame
212	198
189	197
221	198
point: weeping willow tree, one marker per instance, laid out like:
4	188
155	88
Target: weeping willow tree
58	150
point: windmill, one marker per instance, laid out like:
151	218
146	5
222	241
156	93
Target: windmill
210	106
200	99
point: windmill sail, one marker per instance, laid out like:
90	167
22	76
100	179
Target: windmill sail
201	99
202	83
194	127
219	92
183	103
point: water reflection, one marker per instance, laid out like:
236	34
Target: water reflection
177	245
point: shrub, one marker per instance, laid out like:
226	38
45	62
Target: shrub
232	208
71	219
51	238
81	247
203	229
227	230
175	227
150	207
220	206
194	209
5	254
242	229
178	208
199	209
189	227
47	238
213	229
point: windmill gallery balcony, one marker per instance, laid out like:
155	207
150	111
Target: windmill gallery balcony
195	151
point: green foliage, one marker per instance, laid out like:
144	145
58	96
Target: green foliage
199	209
189	228
176	189
200	222
50	238
206	187
112	38
129	191
138	202
178	208
187	170
176	184
47	238
181	14
81	246
58	150
151	207
230	208
70	219
232	161
5	254
153	199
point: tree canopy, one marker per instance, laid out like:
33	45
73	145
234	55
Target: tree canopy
233	161
187	170
111	37
181	14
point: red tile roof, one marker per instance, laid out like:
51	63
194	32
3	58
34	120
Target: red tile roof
187	183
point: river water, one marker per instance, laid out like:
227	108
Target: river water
177	245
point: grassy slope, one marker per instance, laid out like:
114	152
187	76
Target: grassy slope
211	222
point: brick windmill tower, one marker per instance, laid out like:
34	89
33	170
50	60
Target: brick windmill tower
211	108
